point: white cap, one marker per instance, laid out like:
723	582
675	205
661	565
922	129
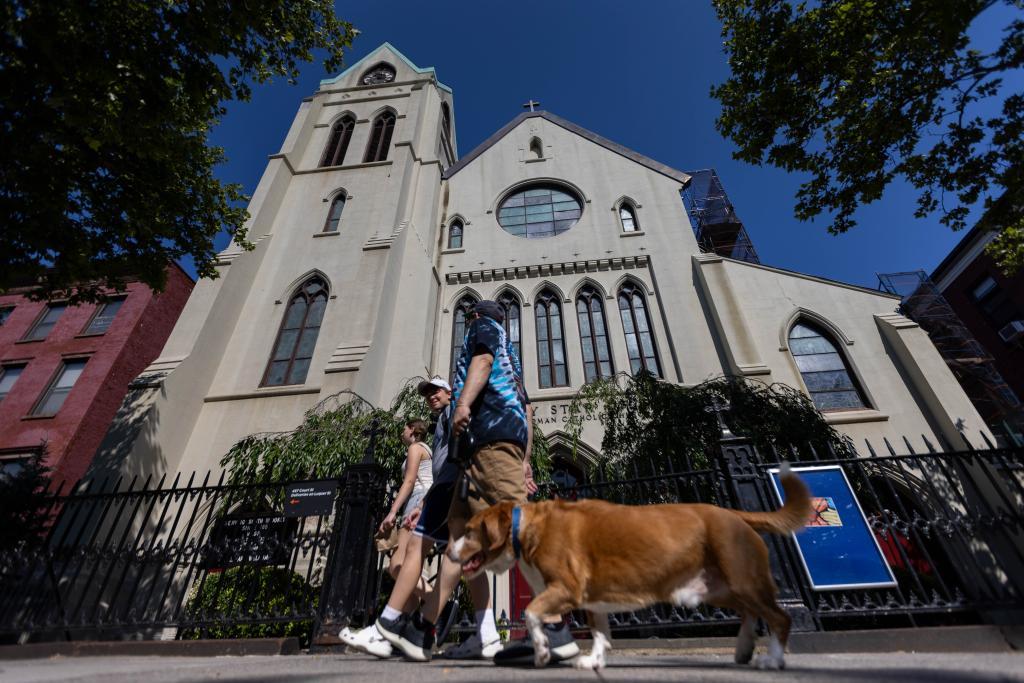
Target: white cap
435	381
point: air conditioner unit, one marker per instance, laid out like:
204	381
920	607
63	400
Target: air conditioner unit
1012	331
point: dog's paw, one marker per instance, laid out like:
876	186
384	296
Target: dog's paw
541	654
589	662
769	661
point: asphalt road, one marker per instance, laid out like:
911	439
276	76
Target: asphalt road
632	666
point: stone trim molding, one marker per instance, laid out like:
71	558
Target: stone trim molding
548	270
801	312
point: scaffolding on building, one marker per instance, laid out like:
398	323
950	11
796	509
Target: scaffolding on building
970	362
713	217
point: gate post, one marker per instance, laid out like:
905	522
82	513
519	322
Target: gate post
749	489
349	588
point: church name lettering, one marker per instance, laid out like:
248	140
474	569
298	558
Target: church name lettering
557	413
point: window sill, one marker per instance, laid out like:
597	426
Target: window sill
39	417
552	394
30	341
533	161
368	164
635	233
327	233
843	417
290	390
453	251
91	334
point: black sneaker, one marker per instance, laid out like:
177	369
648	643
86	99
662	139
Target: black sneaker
391	629
416	641
520	652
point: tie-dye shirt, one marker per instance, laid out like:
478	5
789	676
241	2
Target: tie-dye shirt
499	411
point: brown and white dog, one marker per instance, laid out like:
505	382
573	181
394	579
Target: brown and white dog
603	557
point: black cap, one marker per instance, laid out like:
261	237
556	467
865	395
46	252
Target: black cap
491	309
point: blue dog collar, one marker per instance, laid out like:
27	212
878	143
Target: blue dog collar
516	515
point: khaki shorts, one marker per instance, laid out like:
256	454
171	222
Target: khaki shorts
498	469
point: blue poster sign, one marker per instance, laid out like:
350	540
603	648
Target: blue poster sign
837	546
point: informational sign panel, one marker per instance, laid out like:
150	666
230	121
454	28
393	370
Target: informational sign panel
310	498
250	538
837	547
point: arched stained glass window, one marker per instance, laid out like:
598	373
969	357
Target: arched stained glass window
551	366
628	217
510	303
380	137
643	355
334	215
293	349
824	370
597	357
337	144
455	235
460	322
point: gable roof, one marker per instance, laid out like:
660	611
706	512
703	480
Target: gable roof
405	60
578	130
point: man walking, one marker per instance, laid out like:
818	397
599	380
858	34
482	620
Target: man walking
491	405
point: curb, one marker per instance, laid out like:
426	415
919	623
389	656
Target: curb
985	638
153	648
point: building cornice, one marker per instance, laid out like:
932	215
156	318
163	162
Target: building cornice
547	269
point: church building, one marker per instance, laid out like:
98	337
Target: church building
373	239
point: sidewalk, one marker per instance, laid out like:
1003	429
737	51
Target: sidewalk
631	665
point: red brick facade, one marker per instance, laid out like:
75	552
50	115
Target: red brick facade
115	357
1009	357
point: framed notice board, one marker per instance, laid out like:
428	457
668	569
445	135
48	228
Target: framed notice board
837	547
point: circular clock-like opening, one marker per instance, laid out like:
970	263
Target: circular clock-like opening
542	210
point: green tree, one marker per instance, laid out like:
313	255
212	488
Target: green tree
105	111
654	428
857	93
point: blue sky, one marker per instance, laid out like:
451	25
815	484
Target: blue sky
636	73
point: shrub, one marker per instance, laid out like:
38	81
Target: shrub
248	592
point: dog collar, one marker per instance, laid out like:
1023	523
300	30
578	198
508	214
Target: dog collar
516	515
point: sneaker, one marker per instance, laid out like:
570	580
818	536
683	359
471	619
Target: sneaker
368	640
415	638
391	629
473	648
520	652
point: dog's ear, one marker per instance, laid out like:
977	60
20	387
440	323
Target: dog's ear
497	524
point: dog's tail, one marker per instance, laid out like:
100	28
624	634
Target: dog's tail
791	516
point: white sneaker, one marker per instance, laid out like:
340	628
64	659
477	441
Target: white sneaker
472	648
367	640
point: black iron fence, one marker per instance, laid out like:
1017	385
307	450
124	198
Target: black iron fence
197	558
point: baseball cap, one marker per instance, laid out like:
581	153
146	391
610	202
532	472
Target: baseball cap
491	309
436	381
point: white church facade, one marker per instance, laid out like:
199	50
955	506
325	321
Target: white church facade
371	238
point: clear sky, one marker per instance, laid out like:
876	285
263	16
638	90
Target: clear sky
637	73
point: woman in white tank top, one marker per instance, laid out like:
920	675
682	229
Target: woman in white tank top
417	476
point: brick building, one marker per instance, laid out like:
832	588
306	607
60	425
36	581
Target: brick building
64	370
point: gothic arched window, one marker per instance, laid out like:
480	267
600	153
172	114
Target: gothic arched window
643	355
628	217
824	369
509	302
334	215
550	341
455	235
460	322
337	145
293	349
380	137
597	357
